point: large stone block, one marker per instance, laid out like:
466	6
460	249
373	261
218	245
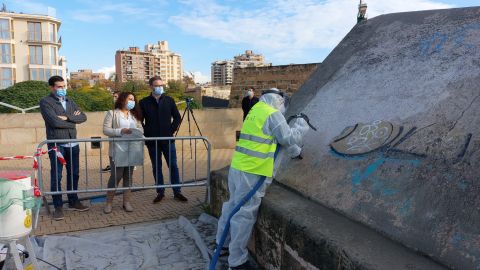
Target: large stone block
18	136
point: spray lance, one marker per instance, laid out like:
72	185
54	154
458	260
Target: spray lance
305	117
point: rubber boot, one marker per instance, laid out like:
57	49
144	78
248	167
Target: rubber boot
127	194
108	205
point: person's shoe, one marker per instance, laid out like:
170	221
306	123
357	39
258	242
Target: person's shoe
244	266
58	213
180	197
108	208
106	169
223	252
159	198
127	207
78	206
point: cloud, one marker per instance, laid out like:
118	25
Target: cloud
199	77
284	30
107	70
107	11
85	16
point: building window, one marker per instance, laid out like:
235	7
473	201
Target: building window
5	54
37	74
5	29
53	55
51	32
36	55
5	77
34	31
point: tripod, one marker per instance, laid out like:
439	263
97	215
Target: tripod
188	111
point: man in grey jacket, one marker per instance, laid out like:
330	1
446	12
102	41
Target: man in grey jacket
61	116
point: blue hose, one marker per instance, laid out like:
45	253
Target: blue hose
245	199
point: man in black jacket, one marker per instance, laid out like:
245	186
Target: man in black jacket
158	110
61	116
248	101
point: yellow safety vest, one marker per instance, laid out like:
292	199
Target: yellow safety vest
255	150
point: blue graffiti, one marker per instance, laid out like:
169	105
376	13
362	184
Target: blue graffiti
438	41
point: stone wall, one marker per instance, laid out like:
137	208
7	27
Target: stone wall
21	133
286	77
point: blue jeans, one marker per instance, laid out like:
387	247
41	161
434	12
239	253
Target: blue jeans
71	155
170	154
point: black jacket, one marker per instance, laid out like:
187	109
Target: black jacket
157	117
247	104
56	128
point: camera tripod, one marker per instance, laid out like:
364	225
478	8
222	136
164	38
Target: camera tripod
188	111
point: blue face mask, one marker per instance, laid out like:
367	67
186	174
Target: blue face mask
158	90
130	104
61	92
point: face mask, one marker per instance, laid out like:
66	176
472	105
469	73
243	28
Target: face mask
250	93
61	92
130	104
158	90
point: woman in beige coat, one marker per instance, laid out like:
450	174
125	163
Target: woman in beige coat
124	155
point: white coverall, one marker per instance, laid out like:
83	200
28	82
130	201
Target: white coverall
240	183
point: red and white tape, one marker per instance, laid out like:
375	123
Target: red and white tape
39	153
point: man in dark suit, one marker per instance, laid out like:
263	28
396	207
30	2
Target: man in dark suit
248	101
61	116
160	118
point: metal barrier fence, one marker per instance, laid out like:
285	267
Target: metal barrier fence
193	156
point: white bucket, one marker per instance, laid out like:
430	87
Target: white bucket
16	221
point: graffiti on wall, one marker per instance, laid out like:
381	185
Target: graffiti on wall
441	42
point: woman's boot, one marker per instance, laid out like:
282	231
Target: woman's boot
127	194
108	205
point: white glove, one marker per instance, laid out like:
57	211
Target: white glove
294	151
301	125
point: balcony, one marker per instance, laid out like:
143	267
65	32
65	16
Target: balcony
43	38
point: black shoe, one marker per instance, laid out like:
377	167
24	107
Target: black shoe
180	197
244	266
77	206
107	169
159	198
223	252
58	213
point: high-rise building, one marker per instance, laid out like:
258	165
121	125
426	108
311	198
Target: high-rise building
222	72
156	60
29	46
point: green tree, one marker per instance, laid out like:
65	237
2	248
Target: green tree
133	86
92	99
24	95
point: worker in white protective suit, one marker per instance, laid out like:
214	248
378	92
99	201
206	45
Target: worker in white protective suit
264	127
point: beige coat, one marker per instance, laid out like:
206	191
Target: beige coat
123	153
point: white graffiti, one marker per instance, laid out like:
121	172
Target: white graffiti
368	137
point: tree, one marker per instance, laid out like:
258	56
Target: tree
24	95
133	86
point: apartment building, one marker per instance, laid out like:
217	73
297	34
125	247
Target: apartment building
29	46
87	75
156	60
222	72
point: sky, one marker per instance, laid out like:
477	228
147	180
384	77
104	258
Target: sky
203	31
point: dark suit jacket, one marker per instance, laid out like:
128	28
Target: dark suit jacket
159	119
56	128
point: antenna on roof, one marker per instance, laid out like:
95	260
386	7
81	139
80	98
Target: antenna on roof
4	8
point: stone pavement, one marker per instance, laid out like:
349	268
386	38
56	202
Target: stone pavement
144	209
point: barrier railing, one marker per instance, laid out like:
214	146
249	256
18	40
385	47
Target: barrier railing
193	156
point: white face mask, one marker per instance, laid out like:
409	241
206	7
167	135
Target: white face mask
158	90
250	93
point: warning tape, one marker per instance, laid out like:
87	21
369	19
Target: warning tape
40	152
